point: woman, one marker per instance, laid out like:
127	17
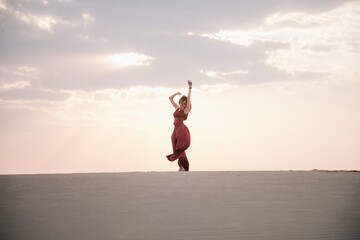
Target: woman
180	137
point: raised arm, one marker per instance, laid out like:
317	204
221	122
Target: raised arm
172	100
188	106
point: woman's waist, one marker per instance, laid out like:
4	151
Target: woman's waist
178	120
178	124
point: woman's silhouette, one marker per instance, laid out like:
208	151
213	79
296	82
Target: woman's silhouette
180	137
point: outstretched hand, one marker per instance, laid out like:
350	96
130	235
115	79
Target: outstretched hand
178	93
189	83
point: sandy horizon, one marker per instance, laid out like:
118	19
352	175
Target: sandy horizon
171	171
181	205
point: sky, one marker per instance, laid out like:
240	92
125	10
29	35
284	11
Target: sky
84	85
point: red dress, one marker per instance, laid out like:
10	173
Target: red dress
180	139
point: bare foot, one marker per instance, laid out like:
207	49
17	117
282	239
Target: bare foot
181	169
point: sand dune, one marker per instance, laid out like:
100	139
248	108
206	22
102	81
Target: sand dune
181	205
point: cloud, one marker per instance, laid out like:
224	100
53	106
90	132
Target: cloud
90	38
24	83
23	91
236	37
215	88
118	106
319	42
221	74
27	69
19	75
296	17
17	84
3	5
87	18
88	108
43	21
44	17
172	56
150	50
134	93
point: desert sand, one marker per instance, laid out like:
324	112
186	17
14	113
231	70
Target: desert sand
181	205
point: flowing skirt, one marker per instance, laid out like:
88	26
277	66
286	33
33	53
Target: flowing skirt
180	139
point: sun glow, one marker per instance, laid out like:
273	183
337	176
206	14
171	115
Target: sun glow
128	59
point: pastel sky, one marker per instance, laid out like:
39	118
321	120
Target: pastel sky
84	85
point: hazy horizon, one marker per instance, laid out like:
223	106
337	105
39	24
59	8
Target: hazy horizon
84	85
